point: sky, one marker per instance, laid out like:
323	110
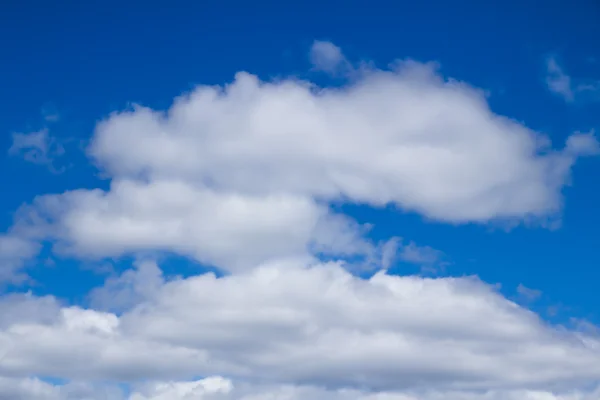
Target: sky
326	200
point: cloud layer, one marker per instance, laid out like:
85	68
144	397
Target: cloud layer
312	325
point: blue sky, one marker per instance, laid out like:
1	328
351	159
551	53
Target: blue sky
67	67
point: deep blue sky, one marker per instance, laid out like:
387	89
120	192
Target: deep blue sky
86	59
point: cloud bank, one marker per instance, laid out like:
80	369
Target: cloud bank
314	326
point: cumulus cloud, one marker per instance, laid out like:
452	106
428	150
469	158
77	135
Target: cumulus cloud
311	325
405	137
226	229
130	288
25	307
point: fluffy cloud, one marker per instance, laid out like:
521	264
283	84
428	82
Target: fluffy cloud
405	137
14	250
316	325
229	230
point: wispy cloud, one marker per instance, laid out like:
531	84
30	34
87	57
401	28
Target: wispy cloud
562	84
51	117
50	114
528	294
327	57
428	258
37	148
558	81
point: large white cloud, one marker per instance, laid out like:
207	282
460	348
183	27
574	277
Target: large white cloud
404	136
285	323
229	230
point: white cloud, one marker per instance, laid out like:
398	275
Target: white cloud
130	288
583	143
14	250
25	307
37	147
229	230
327	57
285	323
423	255
403	137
